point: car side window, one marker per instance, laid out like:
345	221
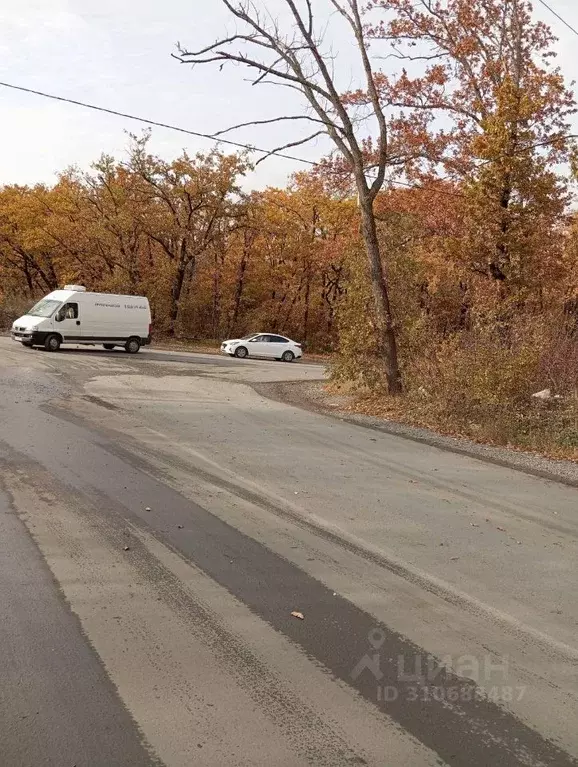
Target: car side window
67	312
260	339
278	340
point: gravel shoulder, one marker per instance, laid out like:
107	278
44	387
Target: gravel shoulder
311	395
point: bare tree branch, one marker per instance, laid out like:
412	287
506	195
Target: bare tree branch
309	17
407	57
300	142
357	27
268	122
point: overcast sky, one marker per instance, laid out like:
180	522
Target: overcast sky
116	53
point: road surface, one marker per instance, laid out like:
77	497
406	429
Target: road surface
160	521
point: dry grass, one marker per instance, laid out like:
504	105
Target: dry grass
547	429
476	387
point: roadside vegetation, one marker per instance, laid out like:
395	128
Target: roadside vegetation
434	254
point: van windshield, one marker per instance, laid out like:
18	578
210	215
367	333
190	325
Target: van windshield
44	308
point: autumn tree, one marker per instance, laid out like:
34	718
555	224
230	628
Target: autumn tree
487	65
27	251
188	204
294	54
302	235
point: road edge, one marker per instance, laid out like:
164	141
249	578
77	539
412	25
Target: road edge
295	393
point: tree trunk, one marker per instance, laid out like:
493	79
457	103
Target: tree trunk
176	292
383	318
307	302
216	309
29	280
277	311
291	306
465	307
239	288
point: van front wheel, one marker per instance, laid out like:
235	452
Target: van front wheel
52	343
132	345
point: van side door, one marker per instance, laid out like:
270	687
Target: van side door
67	321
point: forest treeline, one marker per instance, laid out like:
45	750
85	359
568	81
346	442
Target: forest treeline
213	260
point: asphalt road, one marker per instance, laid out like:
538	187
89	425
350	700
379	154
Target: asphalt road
160	521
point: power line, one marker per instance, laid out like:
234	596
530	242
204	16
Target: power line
197	134
560	18
249	147
145	120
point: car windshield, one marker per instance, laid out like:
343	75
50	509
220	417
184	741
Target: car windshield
44	308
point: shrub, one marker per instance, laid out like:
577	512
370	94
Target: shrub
479	383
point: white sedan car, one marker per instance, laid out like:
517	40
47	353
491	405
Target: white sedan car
263	345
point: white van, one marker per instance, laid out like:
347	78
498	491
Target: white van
74	316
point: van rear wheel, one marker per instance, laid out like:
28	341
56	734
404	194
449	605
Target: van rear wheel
132	345
52	343
108	347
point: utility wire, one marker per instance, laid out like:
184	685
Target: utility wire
145	120
560	18
240	145
197	134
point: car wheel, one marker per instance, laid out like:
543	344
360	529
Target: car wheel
241	352
288	356
52	343
108	347
132	345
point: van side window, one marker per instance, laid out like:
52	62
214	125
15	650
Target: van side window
67	312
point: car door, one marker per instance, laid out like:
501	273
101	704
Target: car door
277	345
258	346
67	321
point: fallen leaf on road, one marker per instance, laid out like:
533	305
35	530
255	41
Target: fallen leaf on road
295	614
453	559
148	508
127	548
474	524
501	529
180	527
